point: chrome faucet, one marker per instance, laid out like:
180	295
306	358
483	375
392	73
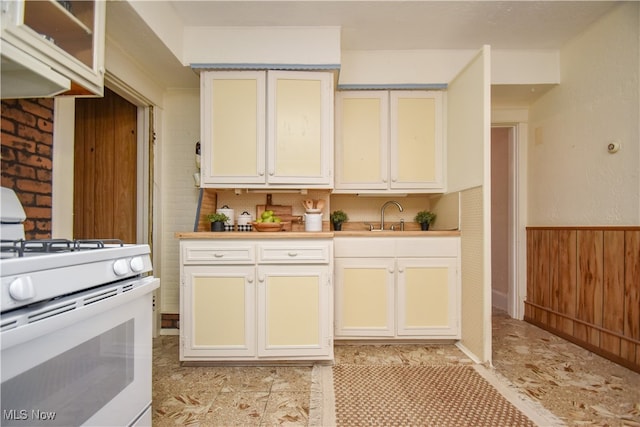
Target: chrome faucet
390	202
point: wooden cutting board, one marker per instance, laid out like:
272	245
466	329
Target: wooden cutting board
283	212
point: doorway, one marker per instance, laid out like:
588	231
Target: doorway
105	171
504	291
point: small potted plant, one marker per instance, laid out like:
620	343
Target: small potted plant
425	218
217	221
337	218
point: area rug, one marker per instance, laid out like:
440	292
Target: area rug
417	395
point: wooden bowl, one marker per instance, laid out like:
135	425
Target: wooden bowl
267	226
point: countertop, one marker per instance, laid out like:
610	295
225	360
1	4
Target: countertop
238	235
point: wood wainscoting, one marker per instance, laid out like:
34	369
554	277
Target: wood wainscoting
583	284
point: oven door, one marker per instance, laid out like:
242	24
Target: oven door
83	360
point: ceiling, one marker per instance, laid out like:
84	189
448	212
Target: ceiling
368	25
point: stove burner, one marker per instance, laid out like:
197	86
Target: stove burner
18	248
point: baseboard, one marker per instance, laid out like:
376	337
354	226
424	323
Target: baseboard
499	300
468	352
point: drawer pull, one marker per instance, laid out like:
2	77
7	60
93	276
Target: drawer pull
293	254
218	255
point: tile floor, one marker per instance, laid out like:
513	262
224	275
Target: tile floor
577	386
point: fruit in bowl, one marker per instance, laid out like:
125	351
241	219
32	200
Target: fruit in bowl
267	221
267	217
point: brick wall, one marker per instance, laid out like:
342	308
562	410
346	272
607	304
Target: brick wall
27	155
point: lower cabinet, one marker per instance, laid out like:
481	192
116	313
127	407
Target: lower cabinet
218	316
365	297
427	297
293	315
275	306
397	288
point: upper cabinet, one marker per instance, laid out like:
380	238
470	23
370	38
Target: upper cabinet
267	129
55	45
389	141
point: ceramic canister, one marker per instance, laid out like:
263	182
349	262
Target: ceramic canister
229	213
245	218
313	222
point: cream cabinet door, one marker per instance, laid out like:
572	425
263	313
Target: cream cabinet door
362	144
294	311
218	312
300	128
365	297
427	297
233	126
417	148
389	140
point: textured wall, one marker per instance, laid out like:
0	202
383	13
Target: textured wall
179	196
27	153
474	333
573	180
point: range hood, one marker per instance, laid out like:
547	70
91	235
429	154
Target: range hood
26	77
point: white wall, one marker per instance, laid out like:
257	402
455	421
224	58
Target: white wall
180	132
440	66
255	45
63	159
573	180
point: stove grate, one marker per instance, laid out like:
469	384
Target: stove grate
18	248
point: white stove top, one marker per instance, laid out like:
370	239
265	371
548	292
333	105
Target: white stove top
37	276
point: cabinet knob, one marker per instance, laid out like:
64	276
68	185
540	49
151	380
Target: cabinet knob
217	255
261	279
391	270
250	279
401	270
293	254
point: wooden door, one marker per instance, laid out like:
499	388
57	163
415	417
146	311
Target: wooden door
105	168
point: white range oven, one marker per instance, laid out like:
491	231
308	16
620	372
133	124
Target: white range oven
75	331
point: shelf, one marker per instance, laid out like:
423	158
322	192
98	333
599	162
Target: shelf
63	28
48	17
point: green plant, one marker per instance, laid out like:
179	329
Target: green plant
425	217
338	216
217	217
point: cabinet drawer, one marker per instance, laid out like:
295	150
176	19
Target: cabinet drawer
428	247
292	253
218	254
364	247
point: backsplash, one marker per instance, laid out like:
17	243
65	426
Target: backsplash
360	209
